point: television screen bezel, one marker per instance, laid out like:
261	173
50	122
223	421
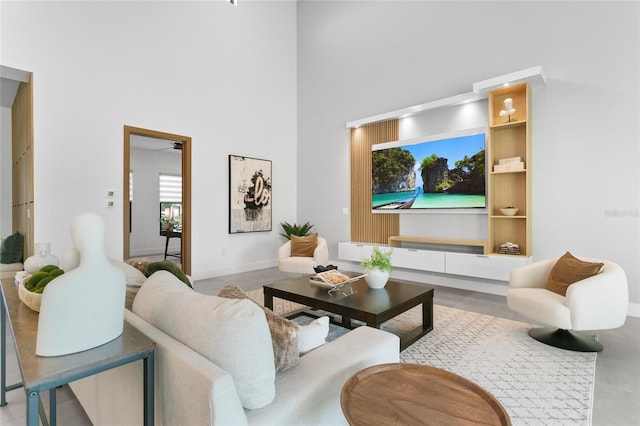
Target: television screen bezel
434	138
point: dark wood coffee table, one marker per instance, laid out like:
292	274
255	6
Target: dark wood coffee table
412	394
371	306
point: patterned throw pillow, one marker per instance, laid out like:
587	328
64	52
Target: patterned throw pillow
284	333
11	250
568	270
303	246
140	263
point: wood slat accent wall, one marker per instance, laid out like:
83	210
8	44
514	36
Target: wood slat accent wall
22	165
367	227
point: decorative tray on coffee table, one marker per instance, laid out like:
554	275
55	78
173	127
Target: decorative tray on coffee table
333	279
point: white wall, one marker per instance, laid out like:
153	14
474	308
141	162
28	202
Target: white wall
145	230
224	75
358	59
5	173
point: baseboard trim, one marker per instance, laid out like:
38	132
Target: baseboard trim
154	251
248	267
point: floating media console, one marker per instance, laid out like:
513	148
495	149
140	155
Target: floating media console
445	256
441	244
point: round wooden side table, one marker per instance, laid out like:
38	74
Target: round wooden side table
412	394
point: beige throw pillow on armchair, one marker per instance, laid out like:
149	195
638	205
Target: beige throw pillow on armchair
568	270
304	246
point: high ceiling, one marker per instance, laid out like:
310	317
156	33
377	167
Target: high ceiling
153	144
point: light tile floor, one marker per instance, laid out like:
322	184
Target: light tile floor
617	386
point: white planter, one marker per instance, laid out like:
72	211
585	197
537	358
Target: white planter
376	278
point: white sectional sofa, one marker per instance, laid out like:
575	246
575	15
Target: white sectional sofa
191	389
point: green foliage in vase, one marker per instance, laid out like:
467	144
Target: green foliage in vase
379	259
298	230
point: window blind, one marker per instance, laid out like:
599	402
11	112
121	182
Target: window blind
170	188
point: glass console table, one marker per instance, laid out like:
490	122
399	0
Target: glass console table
46	373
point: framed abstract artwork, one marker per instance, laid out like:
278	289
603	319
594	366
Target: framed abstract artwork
249	194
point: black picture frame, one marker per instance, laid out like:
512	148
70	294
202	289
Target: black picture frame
250	190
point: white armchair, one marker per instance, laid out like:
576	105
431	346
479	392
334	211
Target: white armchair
299	264
596	303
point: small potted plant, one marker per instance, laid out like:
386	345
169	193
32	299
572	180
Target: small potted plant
298	230
377	267
166	223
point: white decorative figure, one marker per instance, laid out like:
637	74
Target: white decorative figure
84	307
70	259
508	108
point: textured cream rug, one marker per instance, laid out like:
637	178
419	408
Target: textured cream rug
537	384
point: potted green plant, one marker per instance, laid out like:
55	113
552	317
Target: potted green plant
166	223
377	267
298	230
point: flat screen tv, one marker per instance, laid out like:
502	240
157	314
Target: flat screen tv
445	171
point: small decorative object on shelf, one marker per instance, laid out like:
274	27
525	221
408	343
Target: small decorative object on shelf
41	258
378	267
509	211
509	248
508	109
511	164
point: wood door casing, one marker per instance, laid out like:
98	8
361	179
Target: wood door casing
185	241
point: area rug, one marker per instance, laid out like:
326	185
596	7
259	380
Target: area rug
537	384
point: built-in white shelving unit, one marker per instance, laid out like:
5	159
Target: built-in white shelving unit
476	258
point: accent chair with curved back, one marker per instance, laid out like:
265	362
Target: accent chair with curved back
299	262
597	302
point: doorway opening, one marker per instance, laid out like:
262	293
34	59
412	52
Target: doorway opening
16	156
153	140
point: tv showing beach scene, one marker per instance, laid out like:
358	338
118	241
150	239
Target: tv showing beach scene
437	172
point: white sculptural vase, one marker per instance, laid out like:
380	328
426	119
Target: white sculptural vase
41	258
376	278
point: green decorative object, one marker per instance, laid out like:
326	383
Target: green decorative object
40	279
379	259
299	230
165	265
12	247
